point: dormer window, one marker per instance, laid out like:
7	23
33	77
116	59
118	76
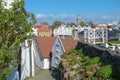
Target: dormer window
57	47
57	59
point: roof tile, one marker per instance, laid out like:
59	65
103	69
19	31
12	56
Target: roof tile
45	45
68	42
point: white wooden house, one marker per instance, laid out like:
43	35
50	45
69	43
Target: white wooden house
43	51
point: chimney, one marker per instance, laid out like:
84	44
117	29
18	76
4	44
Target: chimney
93	25
109	27
75	34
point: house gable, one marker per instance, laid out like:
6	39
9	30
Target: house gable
57	51
62	44
44	45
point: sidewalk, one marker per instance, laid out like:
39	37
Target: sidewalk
41	75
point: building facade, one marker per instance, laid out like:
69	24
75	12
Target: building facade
43	51
63	30
61	45
42	30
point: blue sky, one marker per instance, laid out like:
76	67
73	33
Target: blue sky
67	10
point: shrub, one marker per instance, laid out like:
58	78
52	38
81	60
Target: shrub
105	72
95	60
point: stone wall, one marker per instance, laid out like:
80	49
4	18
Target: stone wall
107	55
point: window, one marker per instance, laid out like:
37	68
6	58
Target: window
57	47
57	52
57	59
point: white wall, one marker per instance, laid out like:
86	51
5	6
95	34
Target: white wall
46	63
32	59
27	61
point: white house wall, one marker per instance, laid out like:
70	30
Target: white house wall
27	62
38	56
46	63
67	30
23	63
63	30
32	59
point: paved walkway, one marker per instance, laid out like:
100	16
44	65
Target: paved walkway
41	75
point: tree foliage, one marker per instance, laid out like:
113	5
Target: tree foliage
105	72
82	24
56	24
71	24
14	27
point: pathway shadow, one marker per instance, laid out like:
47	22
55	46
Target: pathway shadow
55	74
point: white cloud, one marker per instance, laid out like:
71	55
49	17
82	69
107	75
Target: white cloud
65	16
53	16
95	18
39	16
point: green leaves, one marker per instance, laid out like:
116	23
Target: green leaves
4	73
95	60
56	24
5	58
93	67
105	72
14	26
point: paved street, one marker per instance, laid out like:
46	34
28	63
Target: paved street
42	75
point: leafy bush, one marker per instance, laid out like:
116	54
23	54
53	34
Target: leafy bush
88	67
95	60
105	72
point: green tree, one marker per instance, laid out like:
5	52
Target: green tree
14	26
90	23
72	24
56	24
83	24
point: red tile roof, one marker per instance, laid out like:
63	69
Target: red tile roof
44	30
68	42
45	45
43	27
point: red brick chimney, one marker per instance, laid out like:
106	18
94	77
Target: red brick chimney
109	26
93	26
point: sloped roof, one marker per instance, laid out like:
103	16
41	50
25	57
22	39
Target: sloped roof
44	30
37	26
43	27
45	45
68	42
